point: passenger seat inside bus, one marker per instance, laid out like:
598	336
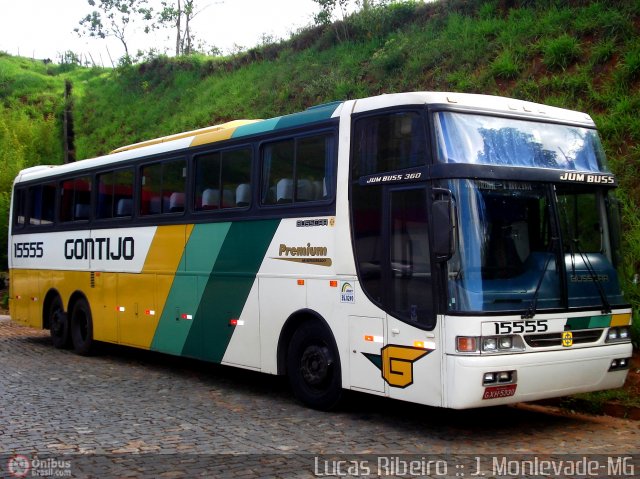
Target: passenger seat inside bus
284	190
176	202
124	207
211	199
83	211
243	195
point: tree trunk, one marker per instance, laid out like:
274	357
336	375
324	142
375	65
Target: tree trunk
178	29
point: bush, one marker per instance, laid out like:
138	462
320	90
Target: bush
4	224
505	65
630	68
560	52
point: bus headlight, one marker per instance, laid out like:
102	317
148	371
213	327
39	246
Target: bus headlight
618	334
500	344
489	344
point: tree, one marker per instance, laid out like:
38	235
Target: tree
174	14
112	18
327	7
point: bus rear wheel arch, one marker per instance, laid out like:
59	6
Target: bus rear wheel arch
81	327
313	365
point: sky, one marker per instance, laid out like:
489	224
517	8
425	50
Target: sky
44	28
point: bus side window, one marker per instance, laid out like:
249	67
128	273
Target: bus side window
236	175
297	170
163	187
277	172
19	208
207	190
115	194
223	180
42	200
75	199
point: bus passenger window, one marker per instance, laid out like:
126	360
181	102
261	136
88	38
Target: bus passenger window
163	186
297	170
235	175
312	160
115	194
19	208
277	172
75	199
223	180
207	189
42	200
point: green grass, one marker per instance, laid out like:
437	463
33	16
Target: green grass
560	52
595	403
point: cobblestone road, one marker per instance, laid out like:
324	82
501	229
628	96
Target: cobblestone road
128	413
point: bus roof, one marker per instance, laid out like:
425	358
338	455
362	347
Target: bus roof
244	128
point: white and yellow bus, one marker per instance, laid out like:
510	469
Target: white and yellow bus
447	249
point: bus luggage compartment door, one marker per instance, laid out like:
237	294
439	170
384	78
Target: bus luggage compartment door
366	340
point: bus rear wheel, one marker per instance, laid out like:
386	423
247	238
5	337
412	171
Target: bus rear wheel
82	328
313	366
58	325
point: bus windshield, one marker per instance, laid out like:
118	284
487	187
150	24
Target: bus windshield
532	245
488	140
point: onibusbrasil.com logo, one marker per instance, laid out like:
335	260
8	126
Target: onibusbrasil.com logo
20	465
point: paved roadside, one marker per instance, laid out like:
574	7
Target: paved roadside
129	413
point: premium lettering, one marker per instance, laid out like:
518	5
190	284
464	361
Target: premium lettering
302	250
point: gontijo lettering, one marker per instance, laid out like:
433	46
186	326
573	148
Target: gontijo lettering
100	248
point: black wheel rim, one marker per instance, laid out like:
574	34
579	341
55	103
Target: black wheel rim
316	365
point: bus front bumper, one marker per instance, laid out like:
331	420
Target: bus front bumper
536	376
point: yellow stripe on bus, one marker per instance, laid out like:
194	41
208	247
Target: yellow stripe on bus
620	319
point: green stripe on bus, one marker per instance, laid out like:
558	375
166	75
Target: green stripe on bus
311	115
255	128
589	322
228	288
200	254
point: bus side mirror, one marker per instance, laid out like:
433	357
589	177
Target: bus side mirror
443	222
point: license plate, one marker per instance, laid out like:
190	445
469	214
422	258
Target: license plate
497	392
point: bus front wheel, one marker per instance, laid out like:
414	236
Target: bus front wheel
313	366
58	325
82	328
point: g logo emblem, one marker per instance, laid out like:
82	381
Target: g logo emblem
397	364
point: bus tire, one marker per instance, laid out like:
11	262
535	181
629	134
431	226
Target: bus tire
58	324
313	366
82	328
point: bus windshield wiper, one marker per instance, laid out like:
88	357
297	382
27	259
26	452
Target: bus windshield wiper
606	307
531	310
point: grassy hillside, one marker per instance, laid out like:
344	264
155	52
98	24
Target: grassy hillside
575	54
31	105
